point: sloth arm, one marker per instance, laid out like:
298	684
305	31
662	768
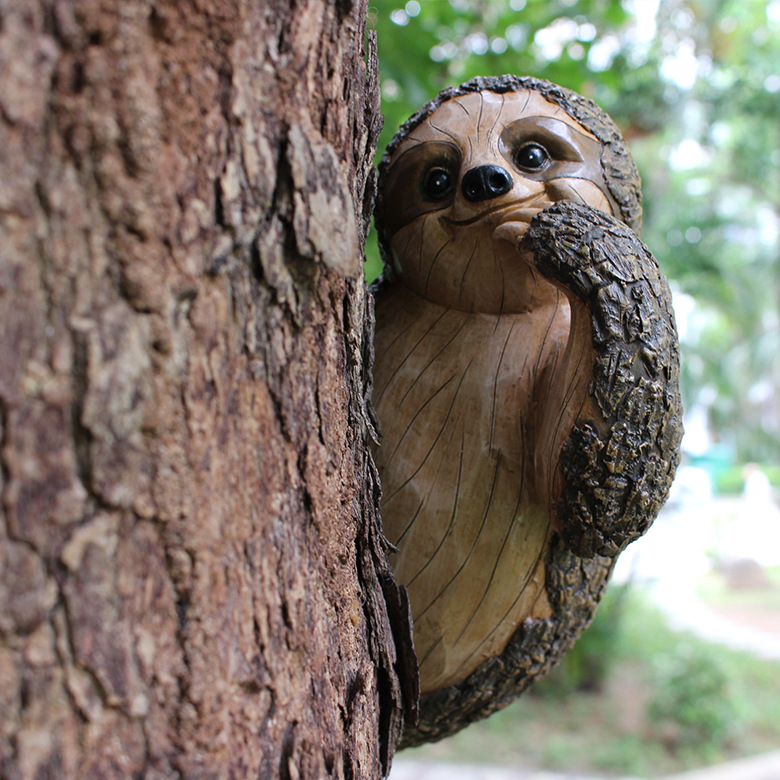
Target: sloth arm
607	442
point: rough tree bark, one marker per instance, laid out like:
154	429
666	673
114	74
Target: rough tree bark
192	576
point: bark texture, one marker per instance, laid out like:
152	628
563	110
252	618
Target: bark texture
192	577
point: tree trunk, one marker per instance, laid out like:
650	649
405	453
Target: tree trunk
192	576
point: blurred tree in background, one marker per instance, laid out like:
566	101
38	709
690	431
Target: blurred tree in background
695	87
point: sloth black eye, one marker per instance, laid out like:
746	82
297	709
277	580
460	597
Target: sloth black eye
437	183
532	157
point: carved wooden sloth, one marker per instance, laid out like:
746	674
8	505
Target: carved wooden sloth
526	382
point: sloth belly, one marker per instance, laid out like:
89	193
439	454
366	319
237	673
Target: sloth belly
453	394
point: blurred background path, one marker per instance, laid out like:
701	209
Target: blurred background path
765	767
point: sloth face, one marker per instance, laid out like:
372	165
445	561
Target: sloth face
462	188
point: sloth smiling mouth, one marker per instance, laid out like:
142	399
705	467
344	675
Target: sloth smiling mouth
517	211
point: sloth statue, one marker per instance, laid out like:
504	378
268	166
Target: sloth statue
525	383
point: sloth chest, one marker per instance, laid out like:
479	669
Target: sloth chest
454	395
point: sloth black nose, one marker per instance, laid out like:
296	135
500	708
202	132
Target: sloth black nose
486	182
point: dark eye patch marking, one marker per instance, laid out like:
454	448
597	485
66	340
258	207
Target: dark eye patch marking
415	183
572	154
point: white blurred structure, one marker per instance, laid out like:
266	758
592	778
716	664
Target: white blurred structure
753	531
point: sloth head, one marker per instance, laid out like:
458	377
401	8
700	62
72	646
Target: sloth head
463	177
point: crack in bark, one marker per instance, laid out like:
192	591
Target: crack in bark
82	438
5	472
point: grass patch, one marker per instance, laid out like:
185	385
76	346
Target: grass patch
665	702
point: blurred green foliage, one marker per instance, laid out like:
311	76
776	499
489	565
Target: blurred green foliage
692	704
695	87
731	481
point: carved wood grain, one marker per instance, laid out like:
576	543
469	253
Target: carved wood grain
526	384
